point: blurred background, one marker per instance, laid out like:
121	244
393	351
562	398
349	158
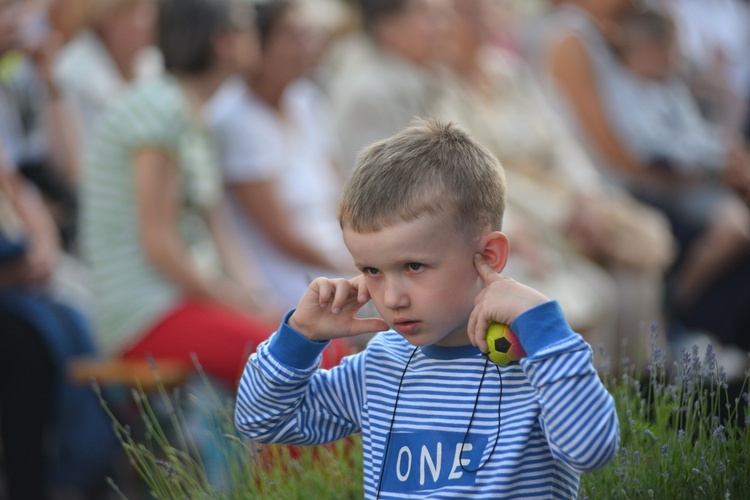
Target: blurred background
170	169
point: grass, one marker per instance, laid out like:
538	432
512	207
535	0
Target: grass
175	460
684	434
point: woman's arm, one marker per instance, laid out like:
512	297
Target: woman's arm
157	200
63	129
43	245
261	203
570	68
243	272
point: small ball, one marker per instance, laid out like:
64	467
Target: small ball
504	347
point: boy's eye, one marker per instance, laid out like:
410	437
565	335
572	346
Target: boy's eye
370	271
414	266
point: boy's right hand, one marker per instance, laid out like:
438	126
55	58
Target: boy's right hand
328	308
502	300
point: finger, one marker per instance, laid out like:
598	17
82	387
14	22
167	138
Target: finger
478	329
325	291
470	328
368	325
342	292
480	332
487	274
473	317
363	293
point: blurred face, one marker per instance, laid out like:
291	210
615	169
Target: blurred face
421	277
246	50
417	32
132	26
289	48
9	15
23	25
470	26
653	60
604	8
67	17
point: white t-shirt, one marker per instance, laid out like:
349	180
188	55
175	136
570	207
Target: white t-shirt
255	145
703	27
88	96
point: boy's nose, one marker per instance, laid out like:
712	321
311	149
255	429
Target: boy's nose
394	295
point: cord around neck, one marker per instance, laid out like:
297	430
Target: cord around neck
468	429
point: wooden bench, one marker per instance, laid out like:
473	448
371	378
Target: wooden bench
108	372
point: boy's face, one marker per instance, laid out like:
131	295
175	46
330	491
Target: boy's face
421	277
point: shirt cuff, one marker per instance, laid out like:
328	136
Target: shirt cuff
540	327
294	349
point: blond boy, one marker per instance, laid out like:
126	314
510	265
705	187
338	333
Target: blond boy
421	215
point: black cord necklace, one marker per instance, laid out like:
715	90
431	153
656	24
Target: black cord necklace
468	429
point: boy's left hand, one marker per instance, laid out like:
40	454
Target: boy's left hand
329	307
503	300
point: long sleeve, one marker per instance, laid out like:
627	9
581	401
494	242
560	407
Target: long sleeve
577	412
284	398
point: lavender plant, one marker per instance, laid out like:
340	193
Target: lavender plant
683	435
175	460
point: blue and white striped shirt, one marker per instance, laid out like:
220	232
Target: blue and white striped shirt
556	420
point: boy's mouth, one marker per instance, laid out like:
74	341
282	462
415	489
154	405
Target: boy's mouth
405	326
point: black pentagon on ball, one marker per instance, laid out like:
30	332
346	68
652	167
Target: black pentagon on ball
502	345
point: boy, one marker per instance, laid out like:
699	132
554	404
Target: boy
421	215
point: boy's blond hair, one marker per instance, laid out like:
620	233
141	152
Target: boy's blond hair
427	168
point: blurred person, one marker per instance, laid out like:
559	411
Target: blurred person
67	17
167	279
610	287
278	153
388	78
585	71
667	129
114	48
55	436
34	120
713	38
659	120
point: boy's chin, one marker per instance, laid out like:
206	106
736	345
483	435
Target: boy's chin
446	341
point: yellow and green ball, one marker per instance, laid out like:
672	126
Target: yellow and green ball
504	347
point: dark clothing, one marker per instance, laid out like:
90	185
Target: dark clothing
27	374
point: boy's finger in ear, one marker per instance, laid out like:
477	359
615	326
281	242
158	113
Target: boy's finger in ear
487	274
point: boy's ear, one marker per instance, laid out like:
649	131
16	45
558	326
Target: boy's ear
494	249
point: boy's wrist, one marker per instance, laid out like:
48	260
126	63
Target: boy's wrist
541	326
293	348
292	320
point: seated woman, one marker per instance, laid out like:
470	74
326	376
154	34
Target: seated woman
558	195
166	280
586	72
113	48
278	160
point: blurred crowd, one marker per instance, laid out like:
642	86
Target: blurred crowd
169	174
